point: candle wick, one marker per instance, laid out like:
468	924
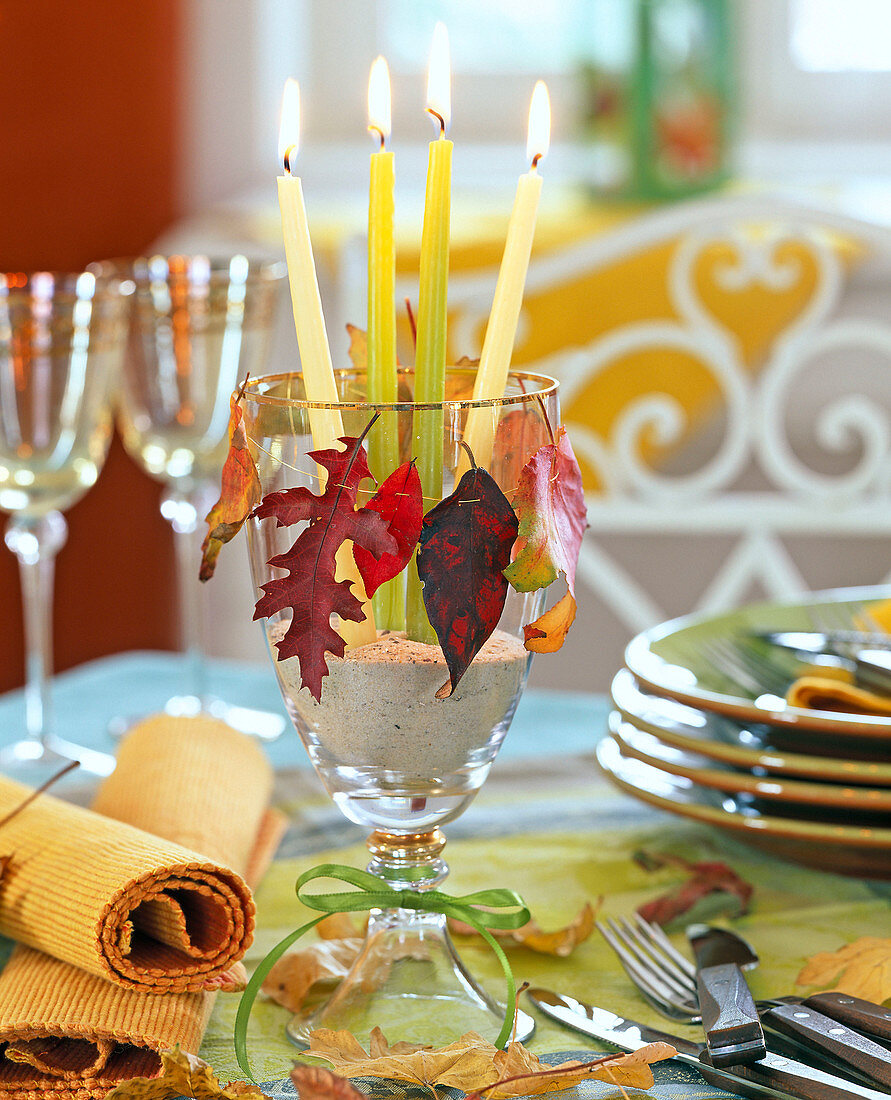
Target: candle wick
439	119
372	129
287	158
535	160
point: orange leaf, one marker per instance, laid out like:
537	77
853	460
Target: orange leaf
861	969
561	942
182	1075
318	1083
358	352
239	492
292	977
548	633
473	1065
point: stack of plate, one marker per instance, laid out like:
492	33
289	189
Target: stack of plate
806	785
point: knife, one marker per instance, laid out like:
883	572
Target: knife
870	665
773	1076
733	1031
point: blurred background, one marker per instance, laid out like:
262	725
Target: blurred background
134	127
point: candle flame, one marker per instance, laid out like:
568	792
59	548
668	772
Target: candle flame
539	133
379	99
289	131
439	98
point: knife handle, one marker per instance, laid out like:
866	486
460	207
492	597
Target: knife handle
730	1019
776	1071
831	1037
863	1015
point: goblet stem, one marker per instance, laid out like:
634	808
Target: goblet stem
35	541
184	507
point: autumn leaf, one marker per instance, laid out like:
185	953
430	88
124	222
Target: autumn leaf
341	926
239	492
182	1075
292	977
400	503
550	507
561	942
318	1083
309	589
548	633
474	1065
711	881
465	545
861	969
358	350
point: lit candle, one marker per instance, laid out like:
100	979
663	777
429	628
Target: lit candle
383	442
312	337
501	330
430	355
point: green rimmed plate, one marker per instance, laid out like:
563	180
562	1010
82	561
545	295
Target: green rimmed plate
799	797
860	850
741	745
670	660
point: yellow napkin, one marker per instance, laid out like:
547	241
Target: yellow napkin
72	1033
835	690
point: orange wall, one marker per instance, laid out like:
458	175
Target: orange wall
88	168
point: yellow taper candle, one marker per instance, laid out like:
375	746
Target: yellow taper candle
312	337
383	442
430	356
502	327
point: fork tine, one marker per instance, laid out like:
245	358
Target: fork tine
649	981
654	930
660	964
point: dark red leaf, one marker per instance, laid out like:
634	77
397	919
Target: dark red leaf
706	878
399	502
465	546
550	505
310	589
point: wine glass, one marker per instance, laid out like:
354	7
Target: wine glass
393	757
198	325
62	339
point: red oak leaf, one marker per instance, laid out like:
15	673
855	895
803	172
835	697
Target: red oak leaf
399	501
550	506
239	492
708	880
465	545
310	589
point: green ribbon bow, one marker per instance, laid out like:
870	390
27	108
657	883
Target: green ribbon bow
374	893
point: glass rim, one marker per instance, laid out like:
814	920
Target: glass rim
547	386
259	270
19	285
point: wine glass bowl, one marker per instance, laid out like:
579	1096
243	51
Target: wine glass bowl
198	325
395	758
62	338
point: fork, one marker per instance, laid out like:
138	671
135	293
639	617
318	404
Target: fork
755	674
665	978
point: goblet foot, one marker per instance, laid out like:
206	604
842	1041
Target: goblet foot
34	761
408	979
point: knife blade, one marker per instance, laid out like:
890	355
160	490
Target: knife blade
870	664
773	1076
733	1031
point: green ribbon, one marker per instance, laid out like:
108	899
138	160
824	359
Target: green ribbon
374	893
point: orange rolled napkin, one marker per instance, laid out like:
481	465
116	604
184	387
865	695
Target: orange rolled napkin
836	694
141	914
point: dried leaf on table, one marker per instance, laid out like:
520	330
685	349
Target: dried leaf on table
561	942
465	546
474	1065
399	502
239	492
182	1075
548	633
310	589
711	883
231	980
318	1083
550	506
340	926
292	977
861	969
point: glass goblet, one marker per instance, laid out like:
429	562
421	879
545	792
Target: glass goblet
394	758
198	326
62	339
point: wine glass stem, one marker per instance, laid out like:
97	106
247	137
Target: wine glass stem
35	542
184	507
